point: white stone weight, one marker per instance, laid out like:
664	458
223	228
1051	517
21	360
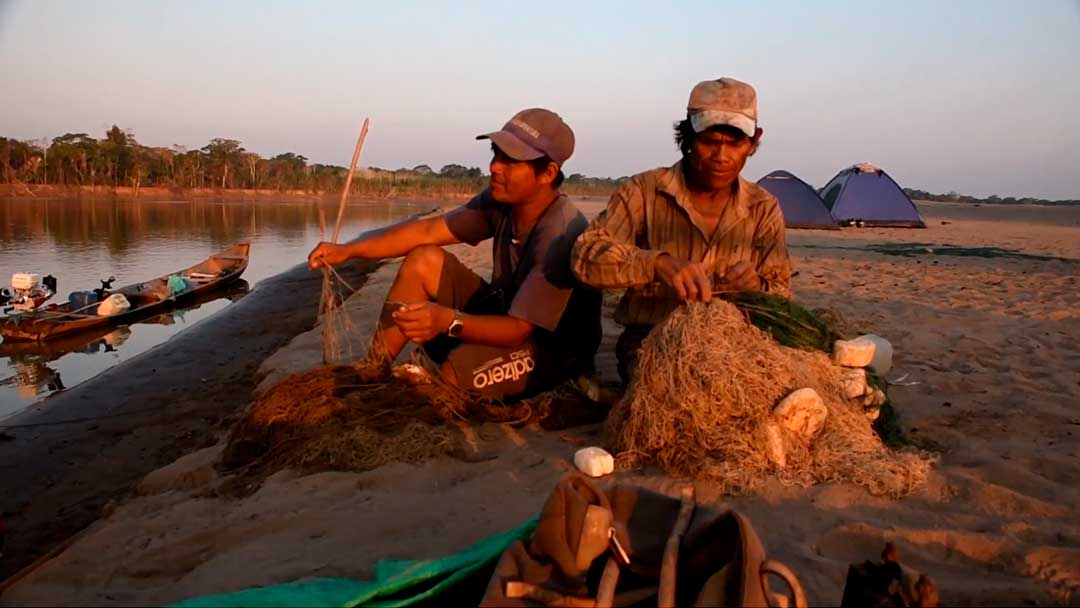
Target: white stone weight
594	461
853	381
853	353
802	412
774	445
875	398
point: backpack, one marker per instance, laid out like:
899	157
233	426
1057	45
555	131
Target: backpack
631	546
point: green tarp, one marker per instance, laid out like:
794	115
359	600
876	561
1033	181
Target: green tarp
397	582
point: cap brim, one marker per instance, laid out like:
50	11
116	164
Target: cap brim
512	145
711	118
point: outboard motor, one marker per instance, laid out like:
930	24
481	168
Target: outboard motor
29	290
103	291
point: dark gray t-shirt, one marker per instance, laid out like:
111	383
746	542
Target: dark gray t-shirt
533	271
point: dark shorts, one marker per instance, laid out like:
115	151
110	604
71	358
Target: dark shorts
494	372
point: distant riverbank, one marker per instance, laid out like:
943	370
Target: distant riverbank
230	194
450	191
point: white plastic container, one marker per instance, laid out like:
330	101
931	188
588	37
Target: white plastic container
25	281
594	461
113	305
883	353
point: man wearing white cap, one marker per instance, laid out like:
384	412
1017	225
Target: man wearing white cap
684	232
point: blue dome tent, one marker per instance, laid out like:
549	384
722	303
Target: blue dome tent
864	194
799	202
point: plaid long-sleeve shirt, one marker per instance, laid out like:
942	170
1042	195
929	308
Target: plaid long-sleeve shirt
652	214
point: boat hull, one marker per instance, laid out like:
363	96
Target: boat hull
150	296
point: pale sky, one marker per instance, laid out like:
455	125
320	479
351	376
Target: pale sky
977	96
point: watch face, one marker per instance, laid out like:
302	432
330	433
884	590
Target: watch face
454	331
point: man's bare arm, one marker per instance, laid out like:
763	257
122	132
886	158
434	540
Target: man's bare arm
391	242
423	321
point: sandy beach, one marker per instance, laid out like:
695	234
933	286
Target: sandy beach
66	457
987	368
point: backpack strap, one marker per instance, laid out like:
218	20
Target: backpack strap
797	597
670	564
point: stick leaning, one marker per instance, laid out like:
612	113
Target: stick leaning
348	180
329	301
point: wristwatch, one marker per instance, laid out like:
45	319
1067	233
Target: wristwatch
454	331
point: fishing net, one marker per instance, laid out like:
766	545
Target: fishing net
575	402
324	420
914	249
336	323
704	391
920	249
787	322
327	419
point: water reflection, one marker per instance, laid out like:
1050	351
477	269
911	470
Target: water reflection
119	225
82	240
28	362
32	377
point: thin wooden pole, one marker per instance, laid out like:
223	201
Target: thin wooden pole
326	276
328	302
348	179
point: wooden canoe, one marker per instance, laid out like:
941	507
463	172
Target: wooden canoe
215	272
105	337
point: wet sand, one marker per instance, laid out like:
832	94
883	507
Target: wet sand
987	367
141	415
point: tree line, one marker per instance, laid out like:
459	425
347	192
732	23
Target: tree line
78	159
953	197
118	159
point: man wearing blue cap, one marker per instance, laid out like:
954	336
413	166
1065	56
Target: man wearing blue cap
533	325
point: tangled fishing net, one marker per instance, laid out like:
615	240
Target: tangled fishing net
571	403
324	420
336	323
705	388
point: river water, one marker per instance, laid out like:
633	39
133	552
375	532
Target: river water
80	241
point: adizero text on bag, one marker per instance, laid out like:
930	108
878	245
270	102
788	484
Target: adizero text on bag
503	369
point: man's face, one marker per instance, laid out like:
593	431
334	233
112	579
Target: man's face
513	181
718	155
